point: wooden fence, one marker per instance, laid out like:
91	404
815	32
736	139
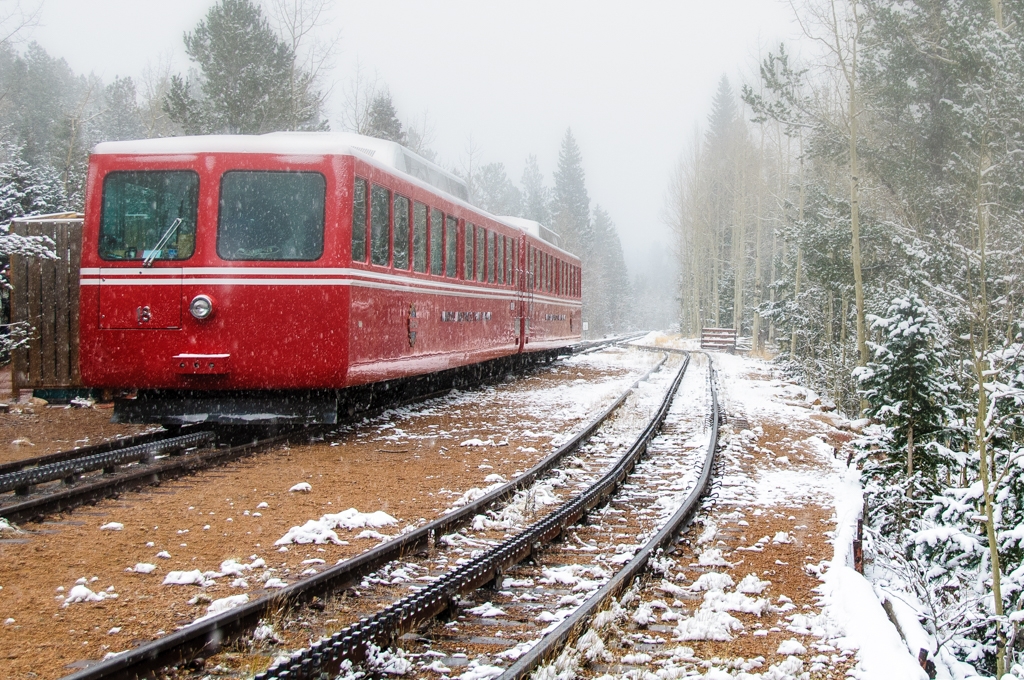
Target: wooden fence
45	294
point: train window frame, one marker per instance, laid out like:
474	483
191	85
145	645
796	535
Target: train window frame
364	206
468	258
515	262
499	257
377	238
491	254
107	255
419	237
396	236
451	247
436	240
264	256
481	253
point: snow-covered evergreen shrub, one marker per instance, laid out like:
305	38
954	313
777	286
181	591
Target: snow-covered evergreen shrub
904	383
935	537
28	190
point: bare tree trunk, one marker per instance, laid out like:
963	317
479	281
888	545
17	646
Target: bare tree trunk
739	242
986	468
758	222
799	253
858	279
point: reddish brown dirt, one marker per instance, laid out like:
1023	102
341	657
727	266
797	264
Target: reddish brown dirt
412	474
30	430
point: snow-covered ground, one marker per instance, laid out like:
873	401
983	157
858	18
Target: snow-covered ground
766	587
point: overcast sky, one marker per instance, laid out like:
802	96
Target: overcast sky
632	80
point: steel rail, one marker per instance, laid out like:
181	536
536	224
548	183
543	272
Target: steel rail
22	480
107	486
208	636
69	454
354	643
574	625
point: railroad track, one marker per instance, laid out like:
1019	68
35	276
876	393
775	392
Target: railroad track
31	489
445	588
206	637
562	584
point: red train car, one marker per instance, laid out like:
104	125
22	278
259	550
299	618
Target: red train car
249	279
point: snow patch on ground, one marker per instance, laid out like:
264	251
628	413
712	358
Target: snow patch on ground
321	531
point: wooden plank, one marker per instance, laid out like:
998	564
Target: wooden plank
62	326
74	290
19	312
34	317
47	313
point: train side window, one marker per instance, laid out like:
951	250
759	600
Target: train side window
419	237
359	221
515	262
490	257
401	246
380	238
451	242
436	241
271	215
499	257
481	252
467	252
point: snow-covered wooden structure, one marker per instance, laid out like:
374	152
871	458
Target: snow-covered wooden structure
45	295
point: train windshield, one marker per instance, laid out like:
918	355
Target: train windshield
271	215
149	215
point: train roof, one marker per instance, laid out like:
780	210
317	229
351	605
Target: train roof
390	154
533	228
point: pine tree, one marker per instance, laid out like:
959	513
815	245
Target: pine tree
495	192
27	189
245	83
382	121
121	117
902	383
536	196
571	203
610	296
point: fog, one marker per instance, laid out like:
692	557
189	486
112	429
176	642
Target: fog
631	80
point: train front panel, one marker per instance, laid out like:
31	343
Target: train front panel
214	272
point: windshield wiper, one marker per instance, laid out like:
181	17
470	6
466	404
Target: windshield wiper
148	261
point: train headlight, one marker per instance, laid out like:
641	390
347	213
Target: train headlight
201	307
